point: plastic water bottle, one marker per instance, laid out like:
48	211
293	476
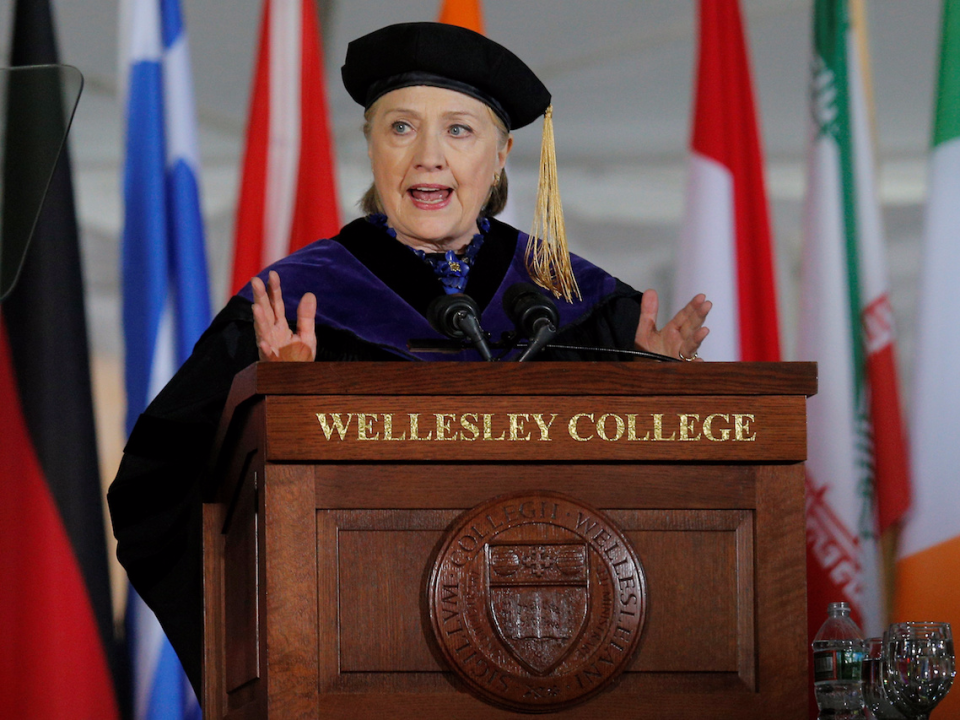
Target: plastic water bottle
837	665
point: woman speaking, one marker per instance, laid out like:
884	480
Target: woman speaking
440	103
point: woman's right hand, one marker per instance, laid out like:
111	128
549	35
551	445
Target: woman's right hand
679	338
275	340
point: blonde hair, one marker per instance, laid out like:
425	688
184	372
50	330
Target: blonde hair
497	199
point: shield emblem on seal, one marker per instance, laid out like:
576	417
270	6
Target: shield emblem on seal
537	597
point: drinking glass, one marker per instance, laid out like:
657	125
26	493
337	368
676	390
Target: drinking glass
918	666
874	695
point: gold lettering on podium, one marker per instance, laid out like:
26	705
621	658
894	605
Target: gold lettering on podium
581	427
572	427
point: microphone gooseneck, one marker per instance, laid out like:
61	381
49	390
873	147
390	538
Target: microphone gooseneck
457	316
534	315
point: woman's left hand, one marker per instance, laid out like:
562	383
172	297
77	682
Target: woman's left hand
681	337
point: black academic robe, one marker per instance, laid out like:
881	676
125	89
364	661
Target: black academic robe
373	294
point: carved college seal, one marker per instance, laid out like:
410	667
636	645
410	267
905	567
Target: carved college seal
537	601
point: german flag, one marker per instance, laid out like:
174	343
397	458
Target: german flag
56	632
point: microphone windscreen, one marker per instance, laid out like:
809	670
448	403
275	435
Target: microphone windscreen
444	314
525	305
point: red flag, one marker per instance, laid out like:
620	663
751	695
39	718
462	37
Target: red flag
56	632
52	661
288	196
725	248
465	13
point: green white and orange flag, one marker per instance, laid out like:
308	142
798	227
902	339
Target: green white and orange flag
857	480
928	584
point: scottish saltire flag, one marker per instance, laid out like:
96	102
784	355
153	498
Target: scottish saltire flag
166	301
928	585
725	242
857	481
288	195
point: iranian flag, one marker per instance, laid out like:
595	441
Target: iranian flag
288	195
725	242
928	586
857	481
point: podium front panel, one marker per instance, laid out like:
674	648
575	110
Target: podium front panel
316	569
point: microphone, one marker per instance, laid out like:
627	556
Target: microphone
534	315
457	316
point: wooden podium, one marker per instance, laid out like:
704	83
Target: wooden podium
334	485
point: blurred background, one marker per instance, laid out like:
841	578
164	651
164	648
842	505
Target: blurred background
621	73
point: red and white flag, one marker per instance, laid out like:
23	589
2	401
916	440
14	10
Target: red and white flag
288	196
857	480
725	245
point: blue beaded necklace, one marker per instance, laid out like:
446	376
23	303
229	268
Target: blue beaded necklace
451	269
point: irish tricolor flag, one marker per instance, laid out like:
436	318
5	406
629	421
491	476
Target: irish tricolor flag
857	482
725	241
928	584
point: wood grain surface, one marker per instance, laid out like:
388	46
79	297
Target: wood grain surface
568	378
315	577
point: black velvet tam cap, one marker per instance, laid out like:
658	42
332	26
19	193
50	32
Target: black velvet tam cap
446	56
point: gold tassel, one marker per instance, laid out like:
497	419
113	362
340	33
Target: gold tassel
548	259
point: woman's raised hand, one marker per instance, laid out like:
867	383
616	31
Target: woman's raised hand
681	337
275	339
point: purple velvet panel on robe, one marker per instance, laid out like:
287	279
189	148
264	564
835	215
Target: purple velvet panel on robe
352	298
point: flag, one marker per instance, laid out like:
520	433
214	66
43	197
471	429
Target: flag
857	482
725	242
288	195
56	632
927	583
465	13
166	303
469	14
